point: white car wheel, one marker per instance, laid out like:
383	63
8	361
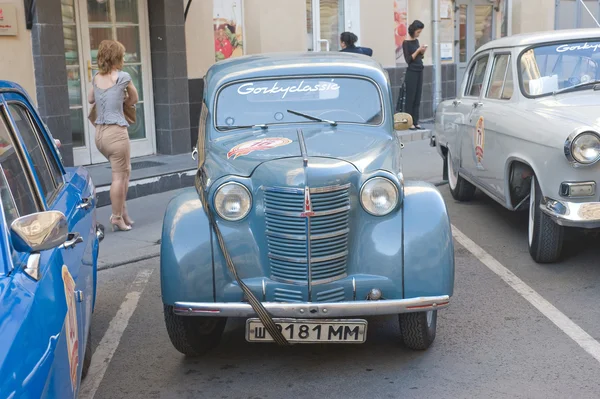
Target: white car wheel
460	189
545	236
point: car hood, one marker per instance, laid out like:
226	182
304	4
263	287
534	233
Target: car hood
367	148
580	108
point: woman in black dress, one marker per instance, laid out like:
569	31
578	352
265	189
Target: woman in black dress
413	54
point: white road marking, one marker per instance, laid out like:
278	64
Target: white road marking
576	333
110	341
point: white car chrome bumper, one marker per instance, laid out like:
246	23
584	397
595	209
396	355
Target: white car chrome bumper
573	214
314	309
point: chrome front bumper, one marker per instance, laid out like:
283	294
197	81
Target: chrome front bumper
573	214
310	310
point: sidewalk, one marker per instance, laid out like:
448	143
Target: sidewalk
143	241
420	162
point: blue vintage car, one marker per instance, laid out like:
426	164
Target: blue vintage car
48	256
301	221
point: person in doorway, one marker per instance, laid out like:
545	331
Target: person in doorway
413	54
111	90
348	44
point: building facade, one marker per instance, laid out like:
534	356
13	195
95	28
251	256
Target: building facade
171	44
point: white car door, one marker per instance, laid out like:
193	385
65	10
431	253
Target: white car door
488	120
471	107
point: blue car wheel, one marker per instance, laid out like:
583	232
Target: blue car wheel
193	336
418	329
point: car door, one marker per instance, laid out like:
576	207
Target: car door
471	107
34	306
70	192
492	141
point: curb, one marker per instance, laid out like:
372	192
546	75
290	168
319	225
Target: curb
107	266
150	185
415	136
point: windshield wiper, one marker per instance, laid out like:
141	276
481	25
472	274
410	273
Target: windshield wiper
262	126
577	86
312	118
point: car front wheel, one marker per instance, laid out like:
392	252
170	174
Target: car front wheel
460	189
418	329
545	236
193	336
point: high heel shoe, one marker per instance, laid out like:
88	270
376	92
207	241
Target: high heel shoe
118	223
128	221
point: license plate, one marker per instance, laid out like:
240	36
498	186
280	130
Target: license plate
310	331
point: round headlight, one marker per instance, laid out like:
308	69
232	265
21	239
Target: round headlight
586	148
233	201
379	196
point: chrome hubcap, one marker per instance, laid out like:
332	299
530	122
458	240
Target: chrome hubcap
429	318
531	210
452	177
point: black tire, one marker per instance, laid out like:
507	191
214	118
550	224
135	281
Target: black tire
460	189
193	336
418	333
545	236
87	357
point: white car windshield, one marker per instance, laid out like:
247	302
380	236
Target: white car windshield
551	68
343	100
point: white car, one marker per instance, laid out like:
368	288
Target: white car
525	130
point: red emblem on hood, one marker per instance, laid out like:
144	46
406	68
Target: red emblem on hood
308	209
257	145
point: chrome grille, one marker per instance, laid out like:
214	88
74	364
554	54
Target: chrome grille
283	295
291	236
334	295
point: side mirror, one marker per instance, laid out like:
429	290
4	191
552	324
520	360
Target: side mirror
39	231
402	121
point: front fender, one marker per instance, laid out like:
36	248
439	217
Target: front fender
186	265
428	245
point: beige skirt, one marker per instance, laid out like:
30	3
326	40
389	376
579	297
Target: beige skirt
113	142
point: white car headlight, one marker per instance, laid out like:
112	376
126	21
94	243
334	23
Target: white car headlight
585	148
379	196
233	201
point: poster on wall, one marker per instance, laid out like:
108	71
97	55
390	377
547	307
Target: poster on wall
228	29
400	28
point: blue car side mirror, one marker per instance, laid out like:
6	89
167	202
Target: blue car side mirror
39	231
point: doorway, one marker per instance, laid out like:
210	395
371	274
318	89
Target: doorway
475	26
327	19
86	23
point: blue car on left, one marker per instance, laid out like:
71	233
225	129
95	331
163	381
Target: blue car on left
49	241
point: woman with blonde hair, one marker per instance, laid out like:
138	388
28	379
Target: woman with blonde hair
112	89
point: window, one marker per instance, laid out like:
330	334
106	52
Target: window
476	76
344	100
8	202
16	178
44	163
500	86
548	68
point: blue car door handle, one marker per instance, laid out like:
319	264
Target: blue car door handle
86	203
74	239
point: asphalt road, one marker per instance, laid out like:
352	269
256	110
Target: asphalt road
492	342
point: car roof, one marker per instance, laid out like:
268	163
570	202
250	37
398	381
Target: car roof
7	84
530	39
293	63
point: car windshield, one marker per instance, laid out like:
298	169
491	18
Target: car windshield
264	102
551	68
